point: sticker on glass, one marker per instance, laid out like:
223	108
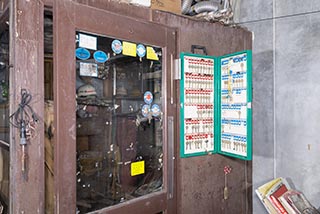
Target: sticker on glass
100	56
82	53
129	49
141	50
148	97
151	54
86	41
88	69
116	46
137	168
155	109
145	110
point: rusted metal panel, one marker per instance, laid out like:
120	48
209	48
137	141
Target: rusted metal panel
146	204
200	180
119	26
26	56
64	102
81	1
218	38
48	3
121	8
171	103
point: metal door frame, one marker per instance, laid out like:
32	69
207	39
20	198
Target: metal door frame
26	72
70	17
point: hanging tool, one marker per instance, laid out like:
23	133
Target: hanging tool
23	144
227	170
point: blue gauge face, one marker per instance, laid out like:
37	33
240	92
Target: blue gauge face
155	109
148	97
116	46
145	110
141	50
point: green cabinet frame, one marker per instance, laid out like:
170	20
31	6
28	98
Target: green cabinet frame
198	105
230	95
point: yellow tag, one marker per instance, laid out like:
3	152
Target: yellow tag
129	49
151	54
137	168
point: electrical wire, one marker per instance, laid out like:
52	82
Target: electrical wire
22	114
21	118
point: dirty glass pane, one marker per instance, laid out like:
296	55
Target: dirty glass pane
4	115
119	120
49	112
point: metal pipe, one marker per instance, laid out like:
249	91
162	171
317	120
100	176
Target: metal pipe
4	143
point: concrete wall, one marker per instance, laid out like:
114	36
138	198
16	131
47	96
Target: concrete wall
286	90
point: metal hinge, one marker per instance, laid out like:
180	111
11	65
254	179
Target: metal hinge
177	69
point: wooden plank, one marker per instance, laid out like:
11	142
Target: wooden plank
173	6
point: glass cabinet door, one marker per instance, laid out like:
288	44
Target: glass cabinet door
119	152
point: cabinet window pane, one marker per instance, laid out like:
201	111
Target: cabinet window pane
119	120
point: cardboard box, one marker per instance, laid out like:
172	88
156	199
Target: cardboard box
173	6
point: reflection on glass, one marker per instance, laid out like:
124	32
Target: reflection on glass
4	116
119	121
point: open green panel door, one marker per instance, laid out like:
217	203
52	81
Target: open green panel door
215	113
197	112
235	97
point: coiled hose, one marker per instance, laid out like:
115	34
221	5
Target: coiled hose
205	6
199	7
185	7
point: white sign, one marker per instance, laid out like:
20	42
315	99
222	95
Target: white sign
88	69
86	41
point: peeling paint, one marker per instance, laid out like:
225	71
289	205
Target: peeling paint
147	203
72	131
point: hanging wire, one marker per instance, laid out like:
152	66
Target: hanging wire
22	119
22	114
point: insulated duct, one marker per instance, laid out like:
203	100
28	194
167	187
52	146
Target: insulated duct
204	6
186	5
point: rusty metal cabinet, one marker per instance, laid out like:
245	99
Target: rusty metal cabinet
193	185
200	180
